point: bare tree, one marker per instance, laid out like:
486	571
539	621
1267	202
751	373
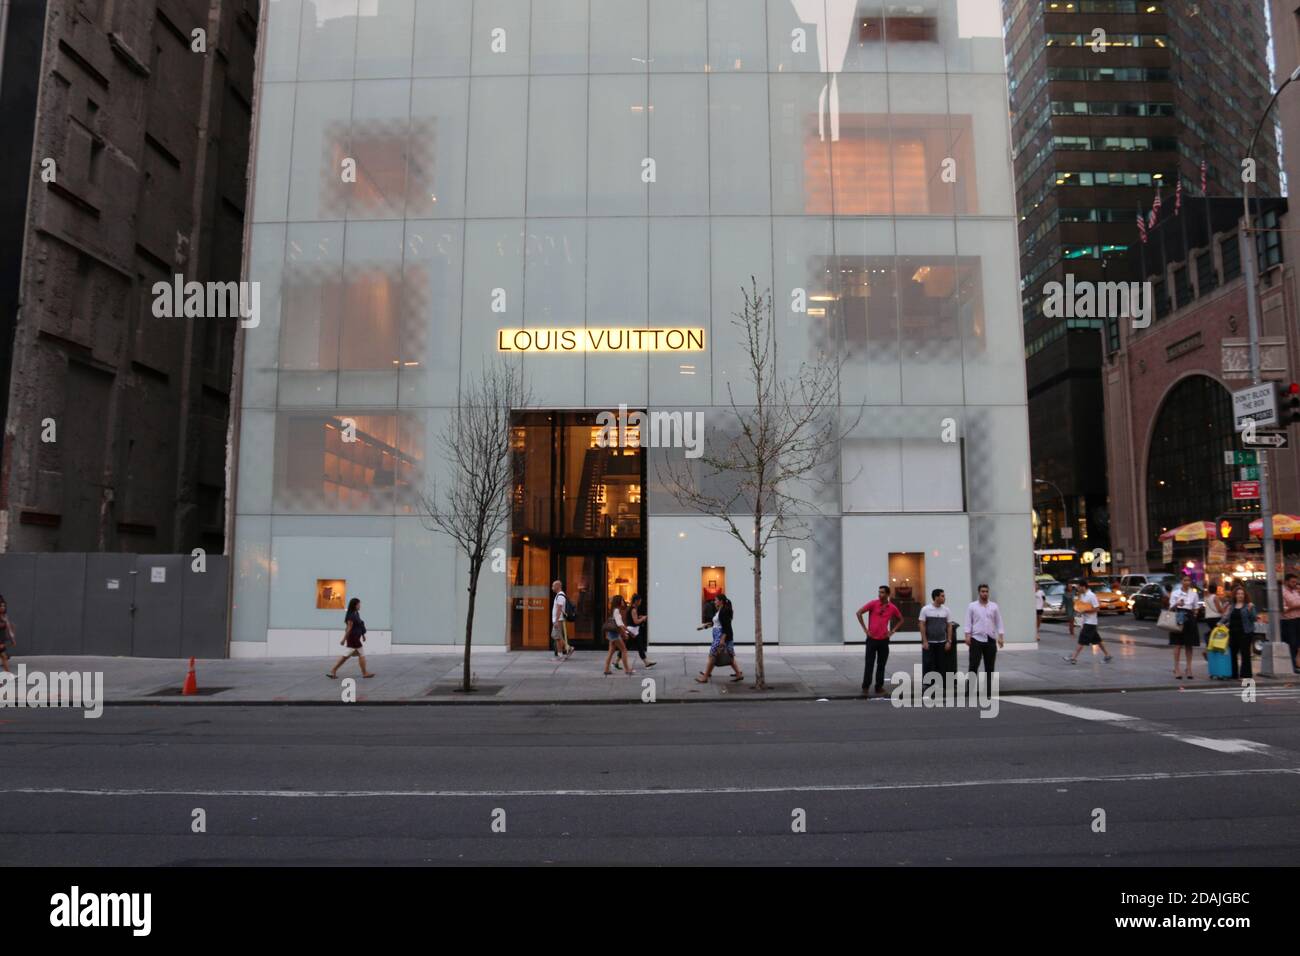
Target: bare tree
473	509
784	441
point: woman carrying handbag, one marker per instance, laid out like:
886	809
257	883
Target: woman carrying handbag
1183	603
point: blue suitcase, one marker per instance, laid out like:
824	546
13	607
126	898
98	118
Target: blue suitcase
1220	664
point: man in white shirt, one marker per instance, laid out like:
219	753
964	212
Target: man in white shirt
1088	633
558	631
1040	599
983	624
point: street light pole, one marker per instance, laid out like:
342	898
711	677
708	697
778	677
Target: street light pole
1250	264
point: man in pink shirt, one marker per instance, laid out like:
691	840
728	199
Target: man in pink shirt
883	619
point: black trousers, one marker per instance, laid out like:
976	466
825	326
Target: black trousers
986	651
1240	649
934	660
877	654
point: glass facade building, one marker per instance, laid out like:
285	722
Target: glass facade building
430	172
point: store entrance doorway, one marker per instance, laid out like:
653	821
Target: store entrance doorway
578	516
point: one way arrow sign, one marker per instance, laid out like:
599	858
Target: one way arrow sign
1265	439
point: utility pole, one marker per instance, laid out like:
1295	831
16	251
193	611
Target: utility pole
1250	264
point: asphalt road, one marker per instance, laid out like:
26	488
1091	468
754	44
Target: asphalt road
1194	777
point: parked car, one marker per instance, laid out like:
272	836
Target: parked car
1109	601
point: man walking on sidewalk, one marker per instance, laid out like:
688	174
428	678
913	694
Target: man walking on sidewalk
936	636
1291	618
1088	633
883	619
983	626
559	633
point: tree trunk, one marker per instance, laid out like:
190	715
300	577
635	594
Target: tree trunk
474	568
759	682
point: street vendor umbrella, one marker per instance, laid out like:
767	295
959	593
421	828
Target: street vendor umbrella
1194	531
1284	526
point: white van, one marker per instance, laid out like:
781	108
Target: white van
1130	584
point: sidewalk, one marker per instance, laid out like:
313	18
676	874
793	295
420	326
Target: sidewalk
538	678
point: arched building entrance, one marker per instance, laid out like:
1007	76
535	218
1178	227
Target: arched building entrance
1186	476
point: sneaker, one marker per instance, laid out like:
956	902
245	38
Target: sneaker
1068	659
1108	658
649	663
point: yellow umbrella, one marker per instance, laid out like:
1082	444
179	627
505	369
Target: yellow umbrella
1195	531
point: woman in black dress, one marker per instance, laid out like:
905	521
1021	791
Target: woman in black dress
353	637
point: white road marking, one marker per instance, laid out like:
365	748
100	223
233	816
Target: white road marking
1221	745
1070	710
667	791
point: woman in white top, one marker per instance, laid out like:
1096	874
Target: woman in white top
1217	604
616	634
1184	601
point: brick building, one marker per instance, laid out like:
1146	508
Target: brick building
1168	387
1098	129
128	134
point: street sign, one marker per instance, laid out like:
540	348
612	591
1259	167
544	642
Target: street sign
1258	403
1243	490
1267	440
1241	457
1250	473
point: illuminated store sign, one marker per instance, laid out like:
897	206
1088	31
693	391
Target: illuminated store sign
600	340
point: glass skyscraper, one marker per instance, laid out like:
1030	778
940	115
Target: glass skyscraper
429	173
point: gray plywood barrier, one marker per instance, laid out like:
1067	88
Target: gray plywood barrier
145	605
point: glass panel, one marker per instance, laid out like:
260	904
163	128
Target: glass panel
738	146
497	123
384	32
680	296
317	469
868	308
616	146
988	307
557	146
618	36
435	164
801	148
379	136
739	251
442	38
907	582
737	36
617	296
679	144
431	311
283	24
928	328
500	36
919	144
555	286
559	42
274	149
494	279
980	136
372	298
328	40
622	578
862	158
679	39
321	141
312	312
262	343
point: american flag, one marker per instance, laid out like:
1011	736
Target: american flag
1178	197
1155	206
1204	191
1142	227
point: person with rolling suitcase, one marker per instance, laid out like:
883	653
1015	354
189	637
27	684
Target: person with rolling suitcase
1217	653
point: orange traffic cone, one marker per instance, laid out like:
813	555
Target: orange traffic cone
191	682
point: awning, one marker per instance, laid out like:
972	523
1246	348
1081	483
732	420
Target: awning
1284	526
1195	531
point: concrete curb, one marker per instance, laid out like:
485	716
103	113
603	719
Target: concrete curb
749	695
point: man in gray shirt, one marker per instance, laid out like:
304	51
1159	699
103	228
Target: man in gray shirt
936	635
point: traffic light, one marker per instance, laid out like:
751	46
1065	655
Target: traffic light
1289	412
1232	528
